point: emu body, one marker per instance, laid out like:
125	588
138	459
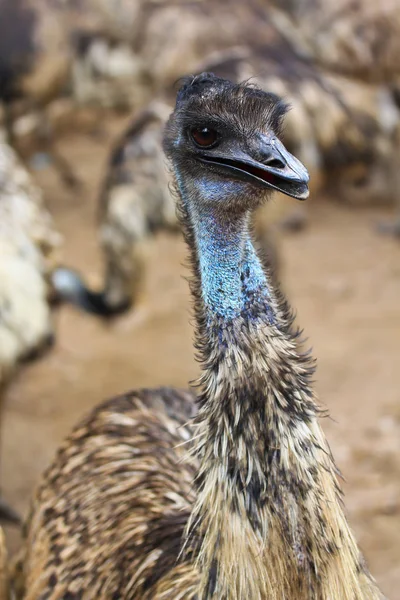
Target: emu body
150	498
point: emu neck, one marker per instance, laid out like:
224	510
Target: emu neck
230	271
267	522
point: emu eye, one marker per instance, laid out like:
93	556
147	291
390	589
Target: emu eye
204	136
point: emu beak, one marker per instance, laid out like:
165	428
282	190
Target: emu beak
277	169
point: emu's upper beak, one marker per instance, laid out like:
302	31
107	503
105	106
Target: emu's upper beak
277	168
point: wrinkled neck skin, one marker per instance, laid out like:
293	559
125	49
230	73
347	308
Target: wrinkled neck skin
267	523
230	271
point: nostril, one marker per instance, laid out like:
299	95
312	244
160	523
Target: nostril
275	163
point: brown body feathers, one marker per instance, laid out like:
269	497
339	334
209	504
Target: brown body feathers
117	492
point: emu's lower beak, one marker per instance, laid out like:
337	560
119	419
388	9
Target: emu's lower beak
278	169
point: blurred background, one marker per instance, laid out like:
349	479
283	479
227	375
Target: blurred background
85	88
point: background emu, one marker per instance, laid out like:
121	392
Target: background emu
28	243
117	508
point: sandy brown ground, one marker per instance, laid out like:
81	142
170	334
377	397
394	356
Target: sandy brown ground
342	278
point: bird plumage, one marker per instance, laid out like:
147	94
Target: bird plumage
242	502
118	450
28	249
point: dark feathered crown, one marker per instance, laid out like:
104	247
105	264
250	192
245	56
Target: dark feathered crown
196	84
246	100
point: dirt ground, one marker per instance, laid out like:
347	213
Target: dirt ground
342	278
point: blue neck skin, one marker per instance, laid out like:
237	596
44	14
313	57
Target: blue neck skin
232	278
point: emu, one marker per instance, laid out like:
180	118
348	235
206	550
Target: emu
28	248
153	498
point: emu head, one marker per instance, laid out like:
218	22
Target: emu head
222	140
